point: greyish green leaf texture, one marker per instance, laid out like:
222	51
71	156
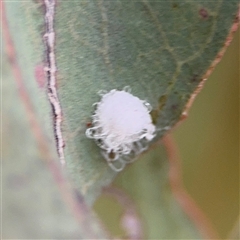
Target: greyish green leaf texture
161	49
31	199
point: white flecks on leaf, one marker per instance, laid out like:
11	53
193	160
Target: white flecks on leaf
122	126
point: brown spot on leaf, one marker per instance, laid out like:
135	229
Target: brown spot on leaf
156	112
88	124
174	5
111	155
194	78
174	107
162	101
203	13
154	115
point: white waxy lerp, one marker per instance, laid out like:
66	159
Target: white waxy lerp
121	126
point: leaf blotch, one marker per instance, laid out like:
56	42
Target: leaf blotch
203	13
174	5
174	107
111	155
162	101
89	124
194	78
154	115
156	112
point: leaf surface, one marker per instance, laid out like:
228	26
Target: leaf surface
161	49
34	187
30	197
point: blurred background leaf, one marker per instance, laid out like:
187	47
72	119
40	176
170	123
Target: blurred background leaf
37	201
32	205
235	232
209	143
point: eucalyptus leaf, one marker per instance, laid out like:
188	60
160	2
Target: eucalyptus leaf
161	49
30	198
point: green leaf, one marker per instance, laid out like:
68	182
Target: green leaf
37	199
30	197
161	49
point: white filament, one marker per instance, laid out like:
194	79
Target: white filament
122	125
